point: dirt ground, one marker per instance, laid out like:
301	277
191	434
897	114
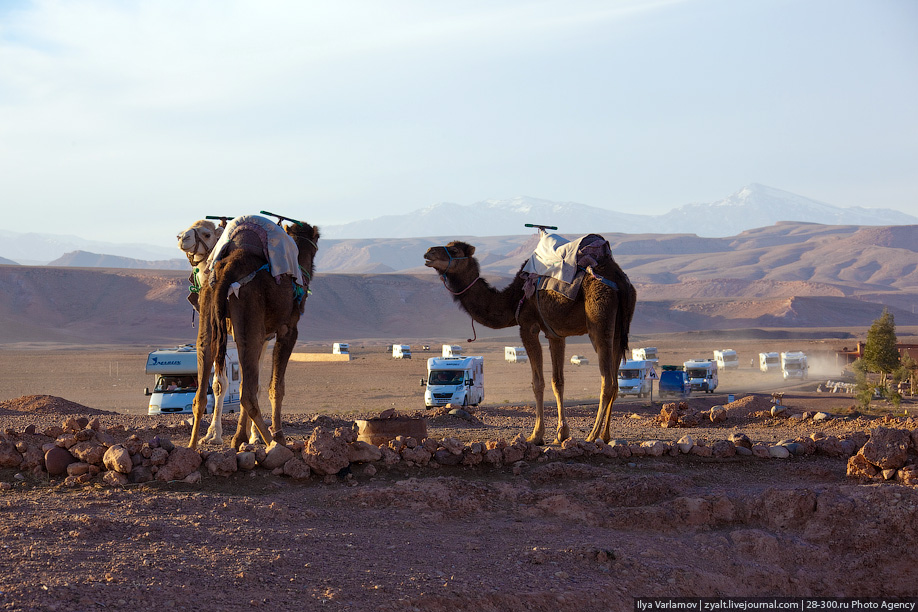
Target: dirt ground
576	534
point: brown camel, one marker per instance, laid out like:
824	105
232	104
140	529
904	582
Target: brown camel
602	309
261	305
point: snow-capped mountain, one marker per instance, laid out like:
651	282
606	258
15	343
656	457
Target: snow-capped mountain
35	248
751	207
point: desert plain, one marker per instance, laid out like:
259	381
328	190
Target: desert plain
572	533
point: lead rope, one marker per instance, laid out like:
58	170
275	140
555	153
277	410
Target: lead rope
443	278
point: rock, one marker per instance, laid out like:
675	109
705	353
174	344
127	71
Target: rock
742	451
701	451
182	462
821	416
296	468
133	444
740	439
114	478
909	475
369	470
245	460
89	451
685	444
417	455
326	451
117	459
887	448
654	448
453	445
77	468
193	478
444	457
793	448
222	463
56	461
829	445
9	456
163	442
760	450
858	467
460	414
778	411
159	456
723	449
778	452
718	414
140	474
363	452
276	456
888	474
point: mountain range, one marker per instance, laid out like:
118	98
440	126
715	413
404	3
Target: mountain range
754	206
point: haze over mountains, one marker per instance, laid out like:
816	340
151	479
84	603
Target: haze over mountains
754	206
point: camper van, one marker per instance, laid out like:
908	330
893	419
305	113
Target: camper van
648	353
794	365
451	350
633	377
341	348
702	374
401	351
175	381
769	362
454	380
726	359
515	354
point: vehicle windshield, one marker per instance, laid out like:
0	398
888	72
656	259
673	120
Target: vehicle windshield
176	384
446	377
697	373
629	374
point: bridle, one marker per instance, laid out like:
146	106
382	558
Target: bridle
194	256
446	284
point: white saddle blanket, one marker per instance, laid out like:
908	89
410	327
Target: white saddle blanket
556	257
281	250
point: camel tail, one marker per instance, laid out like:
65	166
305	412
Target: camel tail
218	321
627	300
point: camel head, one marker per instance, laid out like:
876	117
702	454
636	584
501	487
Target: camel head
198	240
453	257
306	238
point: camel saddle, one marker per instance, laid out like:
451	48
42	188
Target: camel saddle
559	265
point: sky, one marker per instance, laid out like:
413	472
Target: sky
125	121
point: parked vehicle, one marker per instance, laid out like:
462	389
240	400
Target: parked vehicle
515	354
452	350
341	348
794	365
633	377
454	380
175	372
769	362
674	383
401	351
726	359
579	360
701	374
648	353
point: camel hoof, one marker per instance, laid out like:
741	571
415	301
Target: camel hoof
537	440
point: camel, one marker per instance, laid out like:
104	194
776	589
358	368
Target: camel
603	309
242	292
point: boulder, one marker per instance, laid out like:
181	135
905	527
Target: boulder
57	459
740	439
858	467
326	451
296	468
182	462
117	459
364	452
909	475
276	457
718	414
887	448
245	460
114	478
89	452
9	456
723	449
778	452
222	463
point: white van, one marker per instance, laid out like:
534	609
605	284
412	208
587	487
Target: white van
454	380
702	374
726	359
515	354
451	350
175	381
341	348
648	353
633	377
401	351
794	365
769	362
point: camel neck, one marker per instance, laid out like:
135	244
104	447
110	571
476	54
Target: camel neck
485	304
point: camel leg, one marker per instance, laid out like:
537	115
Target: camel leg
530	340
608	370
205	362
249	345
556	350
283	347
221	387
253	431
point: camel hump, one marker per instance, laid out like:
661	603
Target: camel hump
259	234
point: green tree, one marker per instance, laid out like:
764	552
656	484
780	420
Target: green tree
880	354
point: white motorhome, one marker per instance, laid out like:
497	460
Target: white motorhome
648	353
769	362
515	354
634	377
341	348
401	351
726	359
702	374
175	381
451	350
454	380
794	365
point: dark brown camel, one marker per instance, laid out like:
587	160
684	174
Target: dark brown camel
264	306
600	310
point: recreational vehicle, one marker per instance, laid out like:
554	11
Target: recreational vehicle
451	350
769	362
633	377
341	348
454	380
726	359
794	365
175	381
702	375
401	351
648	353
515	354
